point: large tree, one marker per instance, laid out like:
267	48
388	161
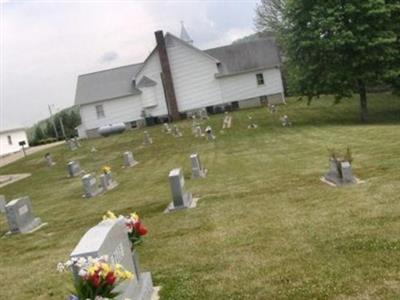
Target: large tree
338	46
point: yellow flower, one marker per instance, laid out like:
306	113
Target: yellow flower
128	275
135	217
109	215
106	169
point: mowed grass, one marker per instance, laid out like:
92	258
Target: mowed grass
265	226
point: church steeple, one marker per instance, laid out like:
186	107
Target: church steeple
184	34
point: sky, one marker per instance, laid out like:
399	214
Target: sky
45	45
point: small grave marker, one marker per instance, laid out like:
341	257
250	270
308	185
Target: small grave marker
147	140
176	132
285	121
198	170
209	134
129	160
199	132
49	160
74	169
71	145
20	217
180	198
109	238
107	182
167	129
227	121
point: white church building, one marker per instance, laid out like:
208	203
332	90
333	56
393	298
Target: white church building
178	78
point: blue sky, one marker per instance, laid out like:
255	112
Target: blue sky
45	45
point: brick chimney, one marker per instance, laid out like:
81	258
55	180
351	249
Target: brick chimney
166	76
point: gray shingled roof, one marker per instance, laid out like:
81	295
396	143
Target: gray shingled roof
117	82
236	58
106	84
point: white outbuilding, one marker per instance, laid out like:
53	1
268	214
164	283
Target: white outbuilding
11	139
178	78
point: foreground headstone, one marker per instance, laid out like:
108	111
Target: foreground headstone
107	182
180	198
90	186
2	204
109	238
198	171
272	109
74	169
129	160
147	140
49	160
20	217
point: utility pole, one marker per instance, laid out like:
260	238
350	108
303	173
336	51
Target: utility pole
62	128
52	121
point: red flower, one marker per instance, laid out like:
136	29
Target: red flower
140	229
95	280
110	278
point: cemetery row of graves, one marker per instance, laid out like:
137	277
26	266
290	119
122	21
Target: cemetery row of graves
272	203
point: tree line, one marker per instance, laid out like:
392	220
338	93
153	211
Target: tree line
335	47
54	128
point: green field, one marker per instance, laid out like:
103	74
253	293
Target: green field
265	226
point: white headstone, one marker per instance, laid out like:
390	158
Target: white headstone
109	238
209	134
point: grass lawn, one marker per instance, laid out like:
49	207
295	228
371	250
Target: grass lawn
265	226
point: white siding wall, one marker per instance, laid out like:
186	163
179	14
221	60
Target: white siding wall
152	70
124	109
193	77
244	86
16	137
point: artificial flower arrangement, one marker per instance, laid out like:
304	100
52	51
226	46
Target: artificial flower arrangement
96	278
133	224
106	169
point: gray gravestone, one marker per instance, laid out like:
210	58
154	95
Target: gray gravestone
74	169
49	160
2	204
110	238
128	159
197	169
90	186
147	140
19	216
71	145
333	173
180	198
227	121
107	182
347	174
